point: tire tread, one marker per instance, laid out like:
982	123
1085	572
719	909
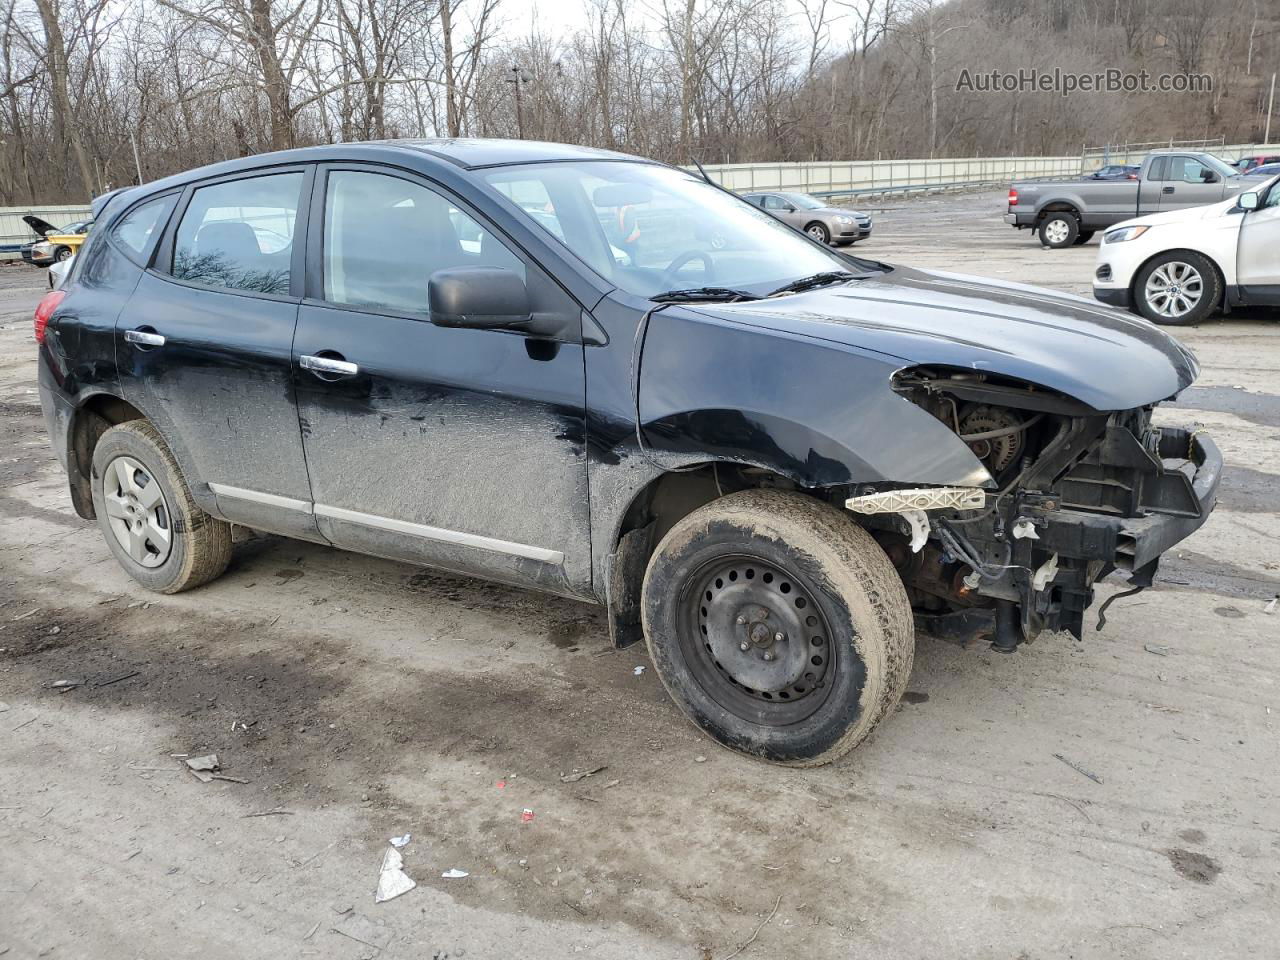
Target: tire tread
856	567
208	547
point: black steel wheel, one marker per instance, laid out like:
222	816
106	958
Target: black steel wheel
778	626
756	639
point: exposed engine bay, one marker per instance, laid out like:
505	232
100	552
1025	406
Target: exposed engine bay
1076	494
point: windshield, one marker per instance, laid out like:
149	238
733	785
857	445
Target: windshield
1220	168
804	201
650	229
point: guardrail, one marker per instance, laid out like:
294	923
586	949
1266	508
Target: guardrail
853	177
1134	153
844	178
870	177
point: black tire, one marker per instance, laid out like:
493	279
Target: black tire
1209	286
63	253
1084	237
1058	230
818	231
778	561
198	545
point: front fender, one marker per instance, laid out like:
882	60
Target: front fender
817	412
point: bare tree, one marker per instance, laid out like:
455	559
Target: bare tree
466	27
276	35
57	70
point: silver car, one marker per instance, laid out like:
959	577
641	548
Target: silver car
820	220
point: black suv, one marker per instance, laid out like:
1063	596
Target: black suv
608	379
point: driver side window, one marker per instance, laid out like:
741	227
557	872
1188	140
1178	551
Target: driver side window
1189	170
385	236
774	203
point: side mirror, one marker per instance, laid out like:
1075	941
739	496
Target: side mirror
1247	201
789	208
480	298
1209	176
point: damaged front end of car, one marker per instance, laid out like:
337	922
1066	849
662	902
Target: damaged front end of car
1078	493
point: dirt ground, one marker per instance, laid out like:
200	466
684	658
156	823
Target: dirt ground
360	699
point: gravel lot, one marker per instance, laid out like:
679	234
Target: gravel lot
361	699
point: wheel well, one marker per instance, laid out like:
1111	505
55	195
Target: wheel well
91	420
1057	206
1222	280
816	223
658	507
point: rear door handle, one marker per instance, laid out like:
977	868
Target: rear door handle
328	365
1167	190
143	337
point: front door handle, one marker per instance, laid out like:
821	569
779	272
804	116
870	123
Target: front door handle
144	337
1167	190
330	366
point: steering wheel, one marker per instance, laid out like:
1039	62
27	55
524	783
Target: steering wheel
669	274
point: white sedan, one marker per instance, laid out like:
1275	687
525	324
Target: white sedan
1179	267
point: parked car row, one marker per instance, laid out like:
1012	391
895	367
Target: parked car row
1188	237
1251	163
1064	213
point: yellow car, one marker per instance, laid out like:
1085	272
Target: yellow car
59	243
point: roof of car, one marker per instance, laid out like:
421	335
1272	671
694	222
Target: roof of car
466	153
473	152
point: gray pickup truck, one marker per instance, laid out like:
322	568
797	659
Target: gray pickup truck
1066	212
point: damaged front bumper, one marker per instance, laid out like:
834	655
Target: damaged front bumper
1028	562
1181	481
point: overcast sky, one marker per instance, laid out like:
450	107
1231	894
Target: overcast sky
518	16
568	16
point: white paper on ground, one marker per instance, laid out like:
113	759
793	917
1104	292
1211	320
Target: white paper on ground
392	880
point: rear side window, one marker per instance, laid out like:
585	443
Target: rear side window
1159	169
239	234
385	236
139	227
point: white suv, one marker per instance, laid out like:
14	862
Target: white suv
1179	267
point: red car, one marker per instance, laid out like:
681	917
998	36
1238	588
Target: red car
1246	164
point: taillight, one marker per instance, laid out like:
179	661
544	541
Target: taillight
44	310
1013	197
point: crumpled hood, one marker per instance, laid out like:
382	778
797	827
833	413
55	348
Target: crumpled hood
1103	357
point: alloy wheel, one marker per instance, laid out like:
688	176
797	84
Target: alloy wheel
1174	289
137	513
